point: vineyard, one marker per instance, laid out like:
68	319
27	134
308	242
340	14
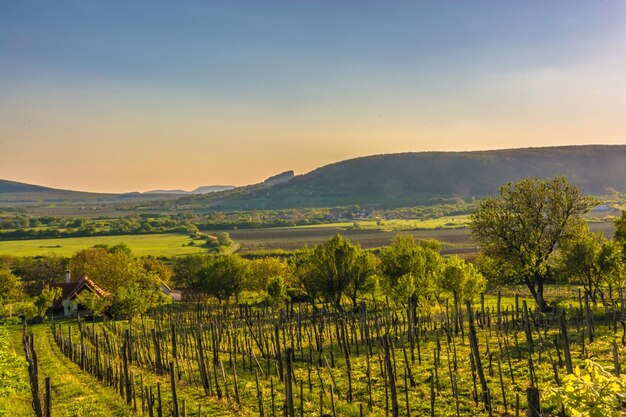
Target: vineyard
499	357
535	325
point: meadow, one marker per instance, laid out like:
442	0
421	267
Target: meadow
141	245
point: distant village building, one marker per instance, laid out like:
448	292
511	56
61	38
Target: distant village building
70	290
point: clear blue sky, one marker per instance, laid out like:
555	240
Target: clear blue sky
133	95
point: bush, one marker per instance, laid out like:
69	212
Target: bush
592	392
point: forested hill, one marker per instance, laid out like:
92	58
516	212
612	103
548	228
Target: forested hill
392	180
426	177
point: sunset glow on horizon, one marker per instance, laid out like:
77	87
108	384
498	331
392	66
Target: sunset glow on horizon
135	96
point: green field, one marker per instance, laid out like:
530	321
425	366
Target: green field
141	245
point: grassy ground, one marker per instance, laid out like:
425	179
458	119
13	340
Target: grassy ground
15	394
141	245
74	392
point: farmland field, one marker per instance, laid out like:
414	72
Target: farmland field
141	245
454	240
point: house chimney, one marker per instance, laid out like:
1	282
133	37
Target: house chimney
67	276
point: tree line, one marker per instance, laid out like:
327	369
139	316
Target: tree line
533	233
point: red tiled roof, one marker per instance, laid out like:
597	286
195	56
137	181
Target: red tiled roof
67	289
72	289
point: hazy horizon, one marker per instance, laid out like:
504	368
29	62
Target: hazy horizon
193	188
121	96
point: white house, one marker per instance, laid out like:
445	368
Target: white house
70	290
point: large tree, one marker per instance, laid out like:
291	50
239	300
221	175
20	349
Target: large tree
263	270
186	269
34	270
522	228
223	276
333	269
620	234
301	265
579	262
461	279
411	268
132	300
620	228
10	287
112	269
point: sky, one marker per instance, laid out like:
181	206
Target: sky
118	96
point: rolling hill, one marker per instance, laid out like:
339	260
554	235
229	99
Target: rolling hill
395	180
390	180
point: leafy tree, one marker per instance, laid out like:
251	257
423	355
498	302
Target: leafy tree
461	278
222	243
338	268
522	227
132	300
578	261
495	272
45	300
411	268
276	291
620	228
612	266
6	261
619	237
264	269
11	292
187	268
193	230
224	240
34	270
157	270
112	270
25	309
302	268
363	277
95	304
117	248
10	287
222	277
120	248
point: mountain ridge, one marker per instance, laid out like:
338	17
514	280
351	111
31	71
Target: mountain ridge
386	180
414	178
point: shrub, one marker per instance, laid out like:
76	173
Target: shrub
592	392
